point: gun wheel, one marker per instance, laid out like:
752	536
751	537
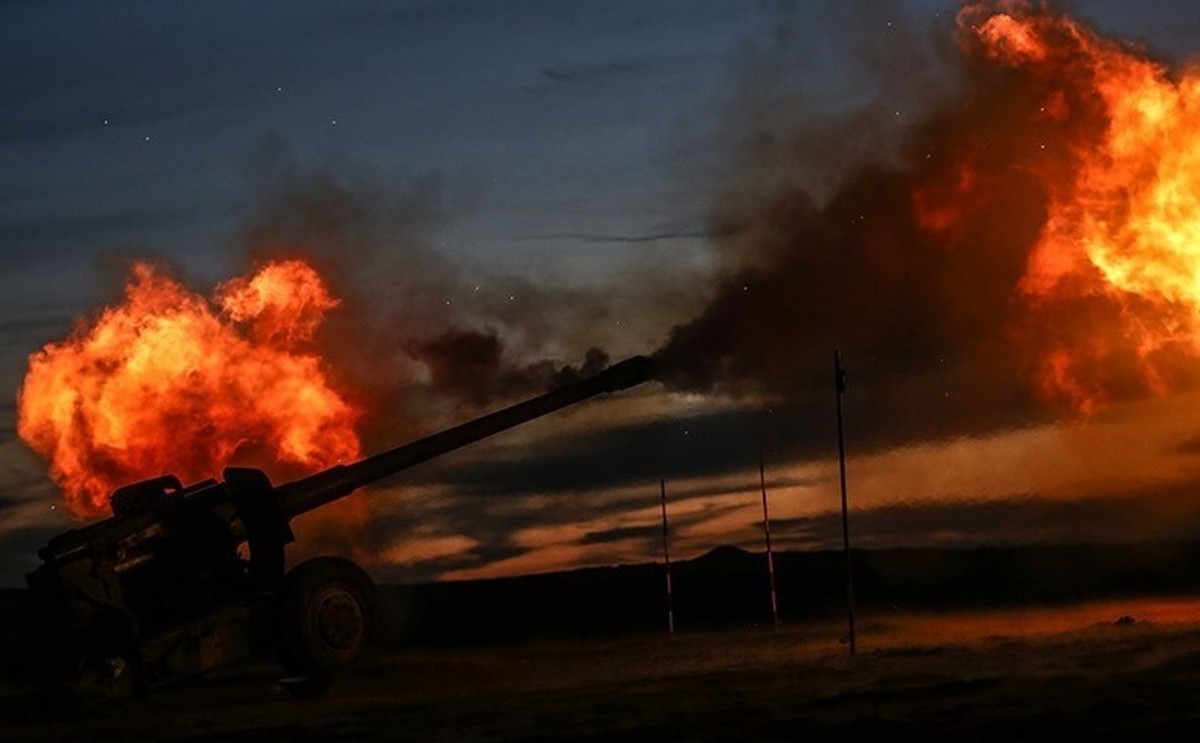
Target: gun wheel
329	614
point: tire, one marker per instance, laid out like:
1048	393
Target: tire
330	618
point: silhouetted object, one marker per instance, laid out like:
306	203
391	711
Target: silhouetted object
162	590
762	484
839	382
662	485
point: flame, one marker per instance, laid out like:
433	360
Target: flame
170	382
941	205
1121	237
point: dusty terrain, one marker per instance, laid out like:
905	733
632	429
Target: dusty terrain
1114	667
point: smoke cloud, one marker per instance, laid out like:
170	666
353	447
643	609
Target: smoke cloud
412	335
899	228
915	260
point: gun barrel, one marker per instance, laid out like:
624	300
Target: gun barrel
308	493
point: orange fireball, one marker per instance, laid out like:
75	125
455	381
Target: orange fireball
170	382
1121	237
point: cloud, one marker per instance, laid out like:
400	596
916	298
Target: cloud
435	568
703	444
647	533
9	502
586	72
1187	446
1153	514
681	233
587	76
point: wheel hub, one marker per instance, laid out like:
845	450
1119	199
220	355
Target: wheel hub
338	619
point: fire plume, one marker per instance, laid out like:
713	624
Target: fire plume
171	382
1121	237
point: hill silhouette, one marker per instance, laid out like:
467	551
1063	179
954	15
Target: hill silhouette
729	586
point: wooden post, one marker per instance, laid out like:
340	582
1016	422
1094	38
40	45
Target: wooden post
762	484
839	378
662	485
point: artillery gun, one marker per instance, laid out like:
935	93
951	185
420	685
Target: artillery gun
184	579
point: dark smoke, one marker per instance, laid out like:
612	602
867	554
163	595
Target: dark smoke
471	366
895	228
413	335
911	264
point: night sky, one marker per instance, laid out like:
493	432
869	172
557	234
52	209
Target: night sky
555	176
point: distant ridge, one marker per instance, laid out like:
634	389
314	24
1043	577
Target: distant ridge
728	585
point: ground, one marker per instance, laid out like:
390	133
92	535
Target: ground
1116	667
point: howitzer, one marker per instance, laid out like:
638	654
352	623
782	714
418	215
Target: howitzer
181	580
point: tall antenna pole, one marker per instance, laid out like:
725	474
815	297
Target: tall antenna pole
839	379
762	484
662	486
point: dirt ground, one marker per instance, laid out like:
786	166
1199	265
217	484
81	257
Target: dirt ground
1107	668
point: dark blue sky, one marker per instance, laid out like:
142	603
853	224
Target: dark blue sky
550	125
567	145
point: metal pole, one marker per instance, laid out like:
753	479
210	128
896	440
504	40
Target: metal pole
839	378
762	484
662	485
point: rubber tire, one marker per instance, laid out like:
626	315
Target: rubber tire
330	617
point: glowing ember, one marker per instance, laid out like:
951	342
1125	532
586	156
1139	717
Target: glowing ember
168	382
1122	230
